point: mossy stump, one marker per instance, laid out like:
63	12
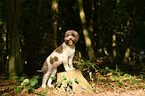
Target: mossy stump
74	81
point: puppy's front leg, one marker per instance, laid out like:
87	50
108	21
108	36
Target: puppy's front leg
65	63
70	62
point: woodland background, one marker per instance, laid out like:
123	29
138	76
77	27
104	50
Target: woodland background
112	32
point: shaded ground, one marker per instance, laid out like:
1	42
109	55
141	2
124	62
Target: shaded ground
102	88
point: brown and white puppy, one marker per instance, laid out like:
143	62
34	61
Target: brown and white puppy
63	54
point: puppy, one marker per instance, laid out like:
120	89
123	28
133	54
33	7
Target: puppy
63	54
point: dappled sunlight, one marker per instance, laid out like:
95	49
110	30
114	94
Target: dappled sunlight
54	4
87	39
88	42
111	37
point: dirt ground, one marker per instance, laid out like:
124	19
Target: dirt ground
100	89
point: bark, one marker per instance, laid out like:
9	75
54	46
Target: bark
130	31
128	43
114	45
88	41
54	9
96	23
15	65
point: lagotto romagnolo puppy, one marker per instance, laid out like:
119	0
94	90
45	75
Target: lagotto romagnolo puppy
63	54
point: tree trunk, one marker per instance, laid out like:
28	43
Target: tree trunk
114	45
13	13
130	32
73	81
54	9
128	43
88	42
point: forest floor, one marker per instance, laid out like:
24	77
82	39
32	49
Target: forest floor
102	87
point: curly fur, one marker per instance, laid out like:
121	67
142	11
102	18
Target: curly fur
63	54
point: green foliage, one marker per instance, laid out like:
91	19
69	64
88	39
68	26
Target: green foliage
132	81
141	76
27	84
109	71
53	78
69	82
113	78
22	78
110	74
17	89
59	84
87	65
44	94
33	82
64	78
76	81
143	86
119	78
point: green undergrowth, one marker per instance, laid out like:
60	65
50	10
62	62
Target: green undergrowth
27	85
111	78
107	79
116	79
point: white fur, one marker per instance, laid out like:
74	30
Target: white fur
65	57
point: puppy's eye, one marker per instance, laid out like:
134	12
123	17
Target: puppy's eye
73	35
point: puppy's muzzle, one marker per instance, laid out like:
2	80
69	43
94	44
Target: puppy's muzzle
70	41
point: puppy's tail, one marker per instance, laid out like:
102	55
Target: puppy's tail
43	67
40	70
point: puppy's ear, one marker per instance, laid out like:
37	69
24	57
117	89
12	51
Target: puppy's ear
66	33
76	35
65	36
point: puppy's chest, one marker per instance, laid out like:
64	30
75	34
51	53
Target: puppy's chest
68	51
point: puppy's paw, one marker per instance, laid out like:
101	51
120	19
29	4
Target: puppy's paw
43	86
51	86
72	68
67	69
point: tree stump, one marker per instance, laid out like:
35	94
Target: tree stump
74	81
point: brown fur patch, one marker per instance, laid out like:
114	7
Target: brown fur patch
55	58
45	67
59	49
51	60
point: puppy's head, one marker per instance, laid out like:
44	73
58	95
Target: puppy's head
71	37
